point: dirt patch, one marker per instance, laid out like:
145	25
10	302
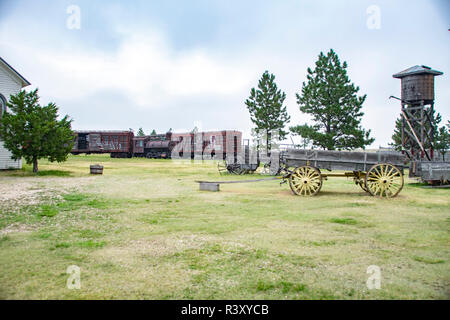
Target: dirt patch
32	191
24	192
14	228
20	196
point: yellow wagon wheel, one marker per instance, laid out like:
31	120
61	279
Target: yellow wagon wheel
362	184
384	180
305	181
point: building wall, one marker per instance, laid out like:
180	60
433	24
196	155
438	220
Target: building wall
5	159
8	86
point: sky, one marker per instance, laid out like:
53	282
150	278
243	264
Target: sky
181	64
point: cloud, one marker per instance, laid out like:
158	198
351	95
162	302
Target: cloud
144	68
171	64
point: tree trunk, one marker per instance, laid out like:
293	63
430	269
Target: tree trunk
35	165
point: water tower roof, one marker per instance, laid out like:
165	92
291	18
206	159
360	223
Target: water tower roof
417	70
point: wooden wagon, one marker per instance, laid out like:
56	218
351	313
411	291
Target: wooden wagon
378	173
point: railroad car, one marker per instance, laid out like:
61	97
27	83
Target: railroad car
122	144
118	143
211	144
157	146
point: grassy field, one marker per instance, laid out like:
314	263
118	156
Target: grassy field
143	230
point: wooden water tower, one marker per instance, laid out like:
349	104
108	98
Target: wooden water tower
418	111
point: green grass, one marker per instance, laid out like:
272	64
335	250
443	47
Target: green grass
349	221
428	260
143	230
48	211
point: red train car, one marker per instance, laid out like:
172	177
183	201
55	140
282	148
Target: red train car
118	143
215	144
122	144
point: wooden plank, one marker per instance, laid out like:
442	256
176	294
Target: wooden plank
239	181
435	171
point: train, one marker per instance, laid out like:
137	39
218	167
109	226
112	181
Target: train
124	144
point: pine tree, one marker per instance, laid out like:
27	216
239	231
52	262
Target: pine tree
442	143
153	132
332	100
140	132
33	132
267	112
397	136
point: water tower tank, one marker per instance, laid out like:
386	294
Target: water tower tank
418	84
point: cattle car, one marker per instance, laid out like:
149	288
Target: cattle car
118	143
215	144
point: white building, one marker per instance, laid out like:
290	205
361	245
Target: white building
11	82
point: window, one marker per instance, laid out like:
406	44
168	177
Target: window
2	107
2	104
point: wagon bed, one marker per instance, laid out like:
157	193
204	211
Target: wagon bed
341	160
378	173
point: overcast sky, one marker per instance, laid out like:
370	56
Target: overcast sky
177	64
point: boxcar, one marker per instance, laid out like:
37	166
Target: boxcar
217	144
121	144
118	143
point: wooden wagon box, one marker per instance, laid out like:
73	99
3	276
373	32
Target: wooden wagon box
341	160
378	173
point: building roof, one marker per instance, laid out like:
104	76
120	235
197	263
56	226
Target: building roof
23	81
102	131
417	70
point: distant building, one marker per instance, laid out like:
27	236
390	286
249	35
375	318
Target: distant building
11	82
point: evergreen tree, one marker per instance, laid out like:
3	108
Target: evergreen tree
33	132
267	112
397	136
140	132
332	101
442	143
153	133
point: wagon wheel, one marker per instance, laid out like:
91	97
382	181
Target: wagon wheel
305	181
221	167
243	171
233	168
362	183
384	180
363	186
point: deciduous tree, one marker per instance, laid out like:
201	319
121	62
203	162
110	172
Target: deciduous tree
32	131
